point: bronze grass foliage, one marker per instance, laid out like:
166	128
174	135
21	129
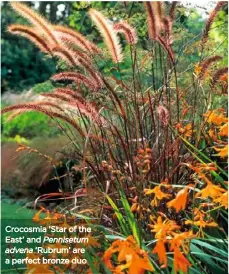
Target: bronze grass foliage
112	126
210	20
220	72
160	26
31	34
207	63
110	37
128	31
72	38
37	20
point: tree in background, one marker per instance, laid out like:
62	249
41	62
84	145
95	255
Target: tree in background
23	65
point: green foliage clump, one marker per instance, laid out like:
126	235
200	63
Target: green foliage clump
29	125
46	86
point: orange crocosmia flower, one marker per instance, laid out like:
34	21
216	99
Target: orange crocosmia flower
204	177
20	147
36	217
179	203
200	222
158	194
180	262
135	207
130	255
197	69
107	256
223	200
210	190
179	239
223	130
223	152
161	252
50	218
211	133
187	130
163	228
206	167
215	117
136	263
44	221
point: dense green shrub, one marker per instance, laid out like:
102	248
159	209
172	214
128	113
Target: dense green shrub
29	125
23	65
